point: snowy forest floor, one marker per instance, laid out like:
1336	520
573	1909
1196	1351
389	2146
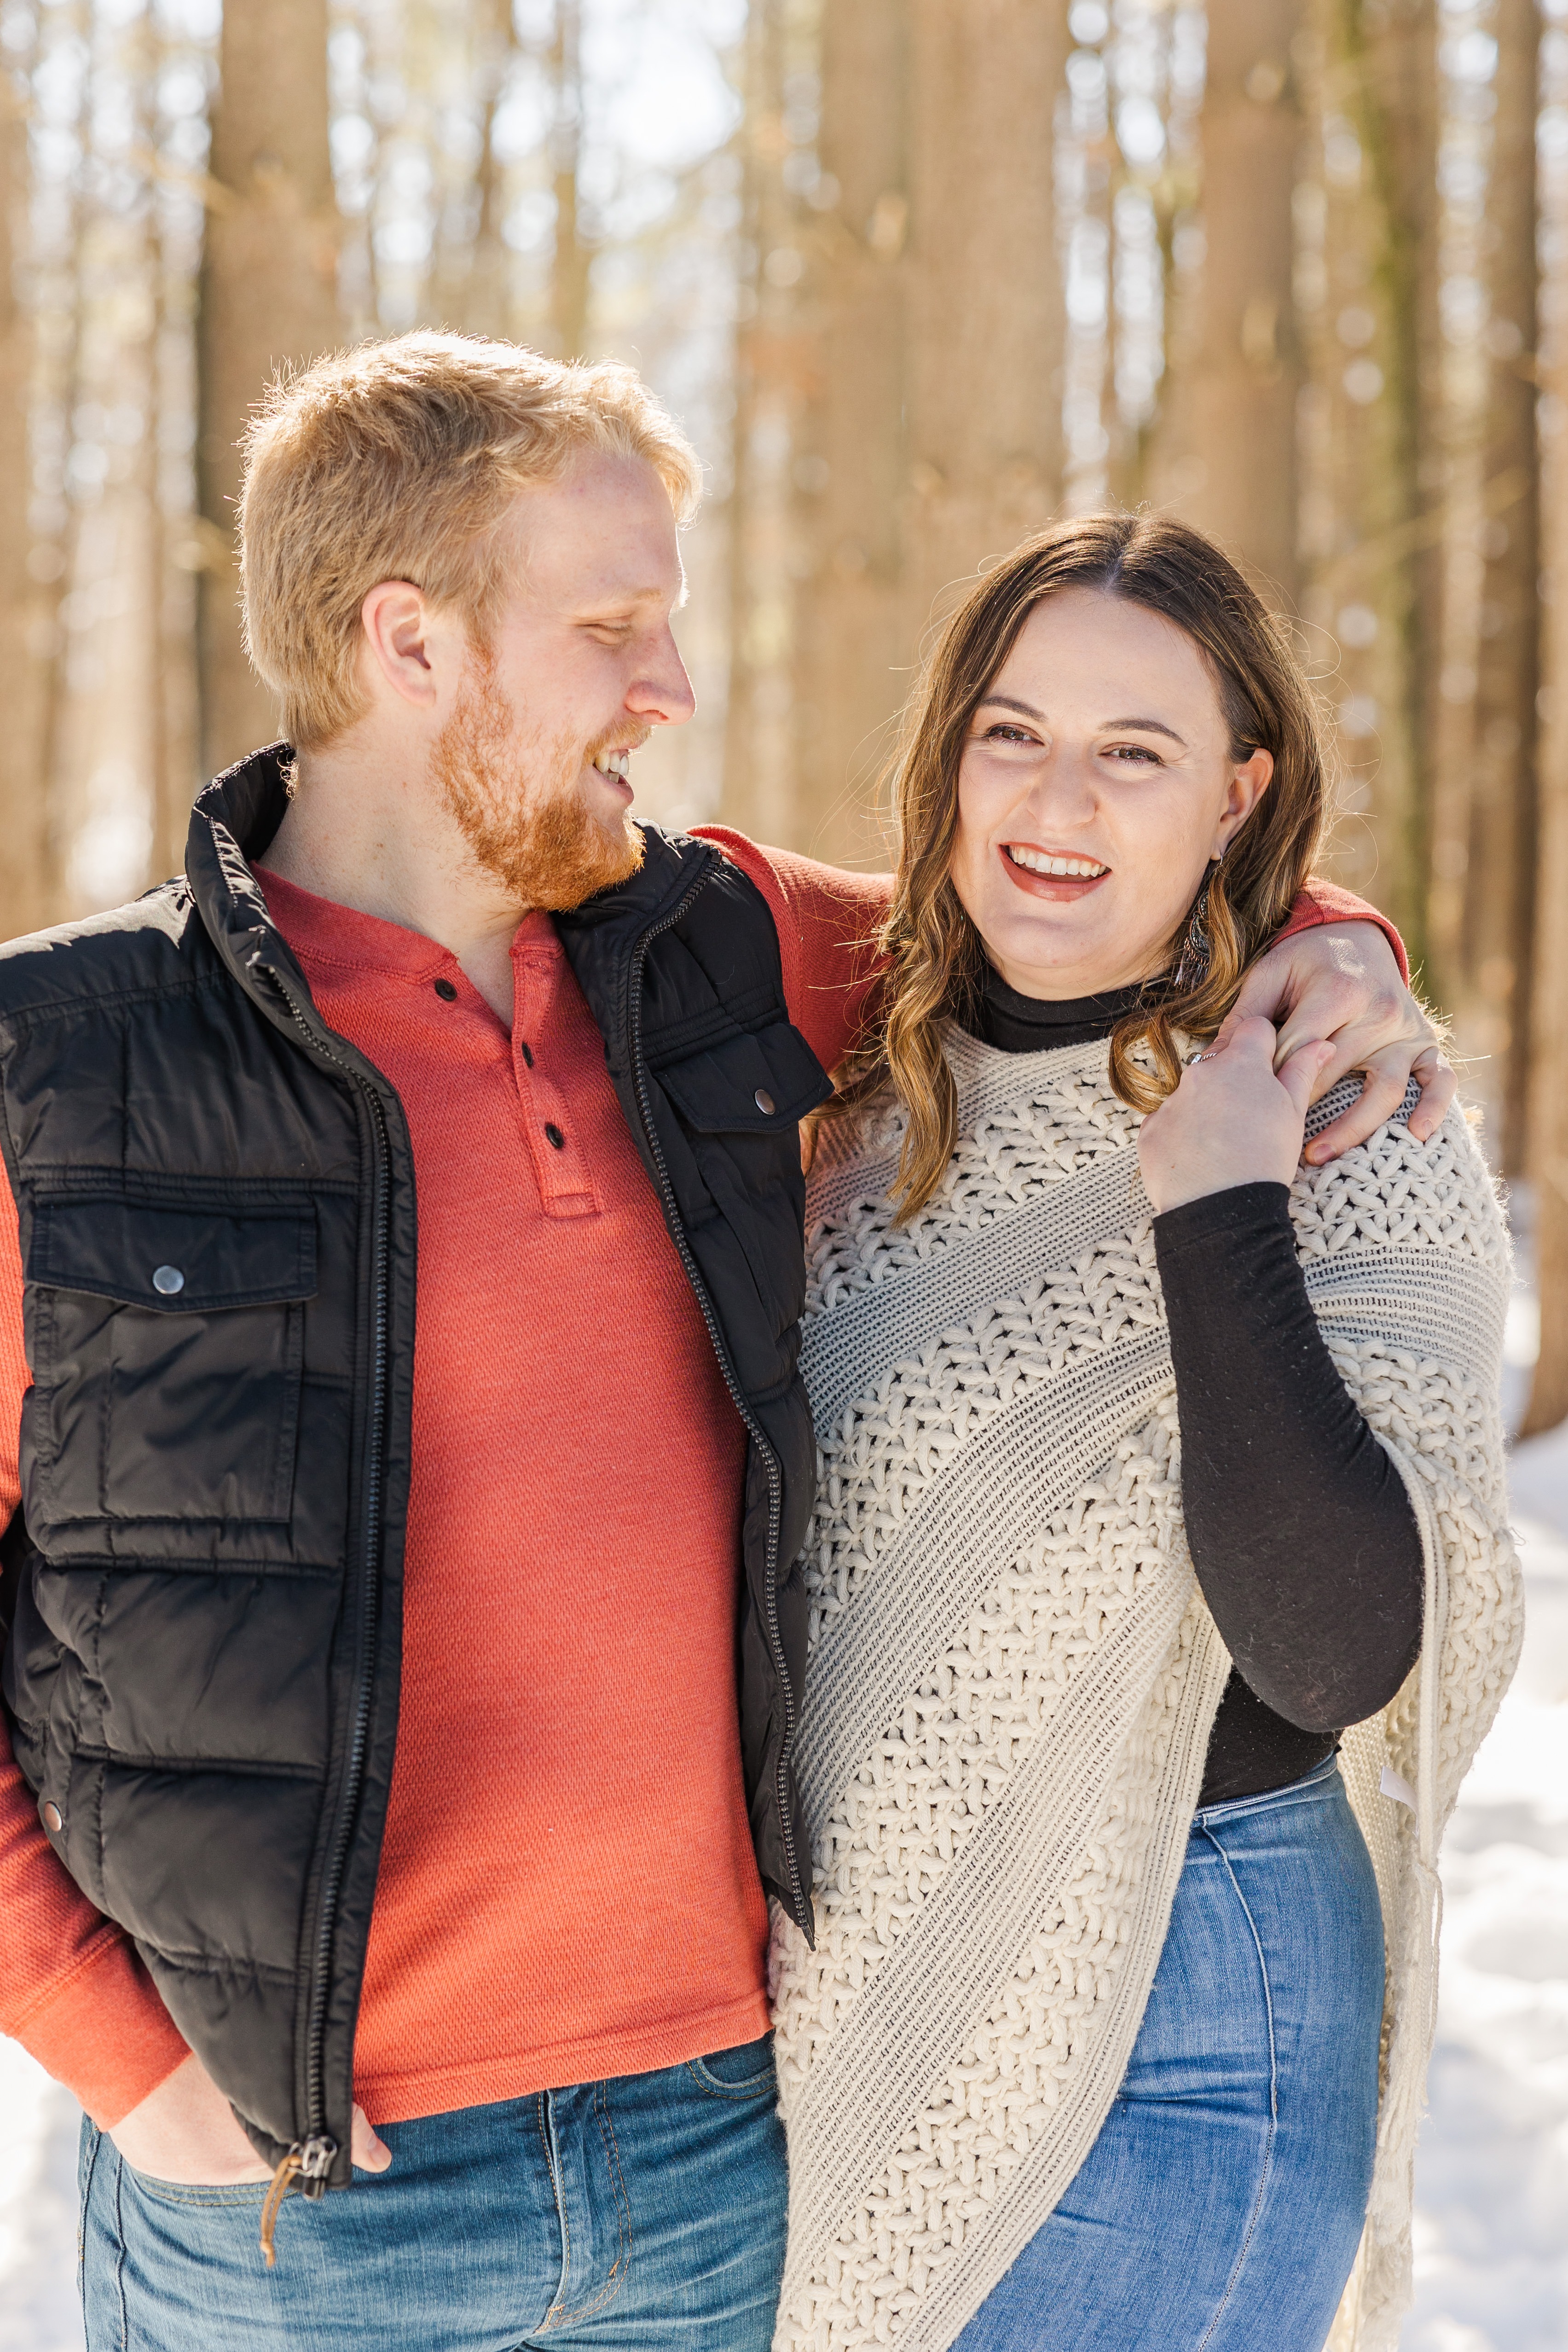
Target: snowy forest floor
1492	2228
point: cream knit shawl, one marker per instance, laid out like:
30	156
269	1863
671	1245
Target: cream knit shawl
1013	1673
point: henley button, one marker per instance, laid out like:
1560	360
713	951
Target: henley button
555	1135
54	1819
524	1050
444	990
764	1101
167	1280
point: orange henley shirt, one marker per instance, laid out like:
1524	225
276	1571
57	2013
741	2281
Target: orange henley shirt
567	1888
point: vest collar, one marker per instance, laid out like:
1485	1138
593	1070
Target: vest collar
233	825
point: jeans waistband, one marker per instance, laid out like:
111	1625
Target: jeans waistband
1320	1781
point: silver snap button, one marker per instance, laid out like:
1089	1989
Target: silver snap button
168	1280
764	1101
54	1819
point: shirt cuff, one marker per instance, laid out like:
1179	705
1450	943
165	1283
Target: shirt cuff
104	2032
1325	902
1239	1209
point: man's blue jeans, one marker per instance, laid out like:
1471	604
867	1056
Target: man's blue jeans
1220	2208
643	2214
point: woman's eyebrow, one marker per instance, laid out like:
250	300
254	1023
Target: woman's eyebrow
1147	726
1010	702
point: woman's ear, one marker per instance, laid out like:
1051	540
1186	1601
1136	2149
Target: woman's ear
1249	783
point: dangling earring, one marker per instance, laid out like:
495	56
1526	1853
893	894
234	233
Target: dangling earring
1192	969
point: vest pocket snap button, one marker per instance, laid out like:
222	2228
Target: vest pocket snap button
167	1280
764	1101
54	1819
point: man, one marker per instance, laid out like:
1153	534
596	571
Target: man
405	1650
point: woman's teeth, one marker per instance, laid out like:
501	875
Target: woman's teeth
613	764
1039	861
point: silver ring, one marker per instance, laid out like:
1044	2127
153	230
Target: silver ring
1211	1056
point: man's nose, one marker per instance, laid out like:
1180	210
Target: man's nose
662	693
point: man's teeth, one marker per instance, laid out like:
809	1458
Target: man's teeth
613	764
1037	861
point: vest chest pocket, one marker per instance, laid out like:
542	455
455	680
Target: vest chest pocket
168	1352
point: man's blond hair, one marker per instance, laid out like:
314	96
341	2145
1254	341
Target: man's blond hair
399	461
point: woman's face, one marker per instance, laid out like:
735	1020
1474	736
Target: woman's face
1095	784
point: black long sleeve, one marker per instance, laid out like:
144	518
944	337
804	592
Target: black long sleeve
1300	1530
1303	1539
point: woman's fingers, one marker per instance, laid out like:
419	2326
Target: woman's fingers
1382	1092
1439	1085
1299	1075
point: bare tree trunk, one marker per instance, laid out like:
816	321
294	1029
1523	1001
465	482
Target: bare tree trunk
932	439
1400	129
569	272
1373	507
168	608
1500	912
269	298
1547	1158
25	869
1226	457
486	306
853	650
983	375
768	351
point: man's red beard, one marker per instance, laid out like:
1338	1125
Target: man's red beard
519	806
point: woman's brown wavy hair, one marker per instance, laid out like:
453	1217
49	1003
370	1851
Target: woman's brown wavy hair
935	958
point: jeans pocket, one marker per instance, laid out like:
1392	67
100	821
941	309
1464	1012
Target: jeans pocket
745	2072
239	2193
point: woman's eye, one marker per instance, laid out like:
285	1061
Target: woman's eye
1133	754
1003	733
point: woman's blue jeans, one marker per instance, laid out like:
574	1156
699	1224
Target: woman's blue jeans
643	2214
1220	2208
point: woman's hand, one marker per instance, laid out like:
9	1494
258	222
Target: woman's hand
185	2131
1234	1120
1340	980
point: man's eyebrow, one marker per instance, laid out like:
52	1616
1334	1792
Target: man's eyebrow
617	601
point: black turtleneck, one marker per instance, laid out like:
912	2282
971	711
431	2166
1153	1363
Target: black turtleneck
1299	1528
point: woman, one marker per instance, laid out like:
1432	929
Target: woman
1088	2050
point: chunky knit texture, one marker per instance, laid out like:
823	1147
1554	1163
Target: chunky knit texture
1014	1673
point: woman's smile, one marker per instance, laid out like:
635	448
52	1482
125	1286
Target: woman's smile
1061	876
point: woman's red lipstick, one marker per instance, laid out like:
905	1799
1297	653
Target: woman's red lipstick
1060	889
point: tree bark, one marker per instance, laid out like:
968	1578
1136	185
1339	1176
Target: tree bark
851	650
983	374
267	299
932	437
1372	506
569	268
1548	1142
771	348
25	879
1225	455
486	306
1499	909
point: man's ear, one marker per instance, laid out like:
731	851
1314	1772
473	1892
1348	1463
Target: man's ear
397	626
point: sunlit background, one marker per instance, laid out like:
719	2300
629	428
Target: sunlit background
916	275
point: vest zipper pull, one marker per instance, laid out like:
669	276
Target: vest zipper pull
309	2160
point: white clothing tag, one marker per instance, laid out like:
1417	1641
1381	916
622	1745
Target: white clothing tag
1394	1784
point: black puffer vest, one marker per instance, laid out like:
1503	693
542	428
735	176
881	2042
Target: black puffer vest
204	1582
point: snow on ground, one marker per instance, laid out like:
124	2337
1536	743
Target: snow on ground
1492	2175
1491	2229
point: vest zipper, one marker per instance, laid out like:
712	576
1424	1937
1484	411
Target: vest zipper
754	1428
311	2158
